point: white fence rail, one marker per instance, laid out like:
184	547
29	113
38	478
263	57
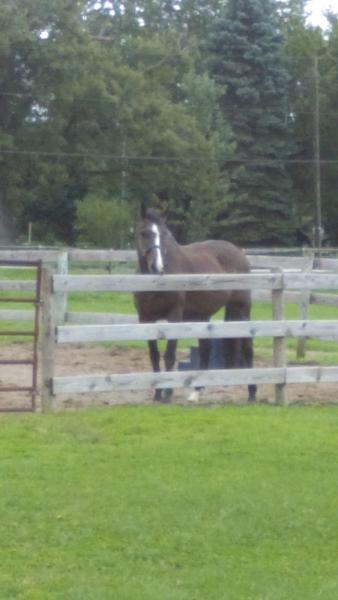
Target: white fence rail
175	379
194	283
181	331
156	283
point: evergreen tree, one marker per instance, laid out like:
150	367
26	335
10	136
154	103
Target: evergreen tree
246	47
328	104
302	45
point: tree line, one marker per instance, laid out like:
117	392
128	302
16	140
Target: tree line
203	109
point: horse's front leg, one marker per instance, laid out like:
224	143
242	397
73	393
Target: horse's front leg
169	361
174	316
155	363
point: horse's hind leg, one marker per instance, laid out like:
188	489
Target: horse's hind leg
232	352
155	363
247	344
238	353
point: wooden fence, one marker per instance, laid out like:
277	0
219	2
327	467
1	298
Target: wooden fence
277	284
299	283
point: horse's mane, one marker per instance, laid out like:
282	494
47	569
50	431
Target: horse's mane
154	216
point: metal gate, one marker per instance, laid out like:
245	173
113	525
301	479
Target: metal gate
35	300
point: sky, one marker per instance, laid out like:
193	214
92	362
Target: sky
316	9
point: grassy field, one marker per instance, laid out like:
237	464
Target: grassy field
170	503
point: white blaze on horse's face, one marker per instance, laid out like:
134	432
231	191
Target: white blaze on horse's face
157	263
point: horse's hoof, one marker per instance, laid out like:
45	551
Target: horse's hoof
163	396
194	396
167	396
252	393
166	400
157	396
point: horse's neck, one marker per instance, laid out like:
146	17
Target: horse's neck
142	264
175	258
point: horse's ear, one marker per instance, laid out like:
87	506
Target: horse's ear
143	211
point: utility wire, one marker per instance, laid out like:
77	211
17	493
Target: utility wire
183	103
168	159
290	112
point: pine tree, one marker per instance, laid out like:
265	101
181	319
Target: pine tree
247	61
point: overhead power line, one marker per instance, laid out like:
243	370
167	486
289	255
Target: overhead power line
167	159
290	111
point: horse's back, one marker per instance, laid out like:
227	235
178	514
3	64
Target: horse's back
216	256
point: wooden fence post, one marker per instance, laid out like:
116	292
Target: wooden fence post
61	298
279	345
305	302
48	340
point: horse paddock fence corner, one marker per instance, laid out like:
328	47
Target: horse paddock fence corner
277	284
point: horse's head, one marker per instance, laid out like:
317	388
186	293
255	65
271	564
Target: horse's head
150	233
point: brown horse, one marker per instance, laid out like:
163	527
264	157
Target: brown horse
158	253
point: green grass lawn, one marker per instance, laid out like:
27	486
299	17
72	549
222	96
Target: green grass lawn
170	503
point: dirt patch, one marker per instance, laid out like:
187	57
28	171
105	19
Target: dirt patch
95	359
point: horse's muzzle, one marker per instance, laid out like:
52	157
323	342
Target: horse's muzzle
154	270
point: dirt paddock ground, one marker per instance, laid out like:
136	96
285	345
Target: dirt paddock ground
98	359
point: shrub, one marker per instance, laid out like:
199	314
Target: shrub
104	222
